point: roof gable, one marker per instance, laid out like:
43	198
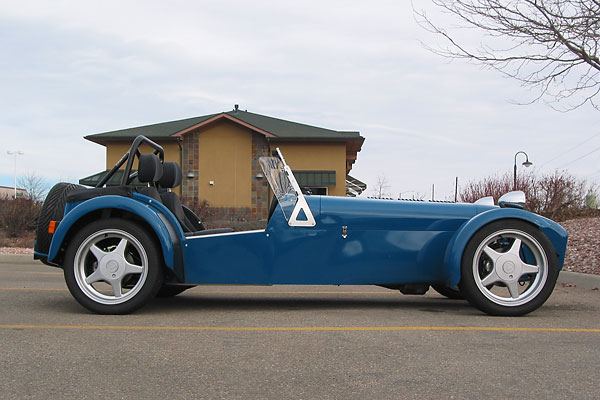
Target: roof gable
219	117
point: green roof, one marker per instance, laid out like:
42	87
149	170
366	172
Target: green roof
277	127
288	129
161	130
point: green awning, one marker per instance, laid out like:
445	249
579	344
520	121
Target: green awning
115	180
317	178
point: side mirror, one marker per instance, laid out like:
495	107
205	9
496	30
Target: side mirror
514	199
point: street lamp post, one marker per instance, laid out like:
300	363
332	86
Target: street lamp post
15	153
527	164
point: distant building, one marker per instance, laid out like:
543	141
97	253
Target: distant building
9	192
219	157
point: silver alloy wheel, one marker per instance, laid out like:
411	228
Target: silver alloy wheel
110	266
499	262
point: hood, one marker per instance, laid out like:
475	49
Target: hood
381	214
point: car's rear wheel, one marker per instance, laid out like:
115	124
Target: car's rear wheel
509	268
113	266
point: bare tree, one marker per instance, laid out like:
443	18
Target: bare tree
34	185
380	189
550	45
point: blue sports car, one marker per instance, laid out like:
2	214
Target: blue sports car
121	246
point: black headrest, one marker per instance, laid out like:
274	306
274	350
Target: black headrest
172	175
150	169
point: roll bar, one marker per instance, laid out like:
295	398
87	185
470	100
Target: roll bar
129	156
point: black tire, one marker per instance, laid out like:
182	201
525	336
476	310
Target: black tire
509	268
451	293
113	266
172	290
52	210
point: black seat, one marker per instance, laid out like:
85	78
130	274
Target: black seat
171	178
190	223
150	170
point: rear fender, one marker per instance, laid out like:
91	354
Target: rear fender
162	222
456	246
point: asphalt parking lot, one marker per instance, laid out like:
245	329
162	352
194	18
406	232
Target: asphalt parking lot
299	342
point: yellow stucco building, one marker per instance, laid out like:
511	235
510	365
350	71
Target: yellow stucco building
219	157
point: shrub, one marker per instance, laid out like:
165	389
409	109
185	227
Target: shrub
558	196
18	216
494	186
200	207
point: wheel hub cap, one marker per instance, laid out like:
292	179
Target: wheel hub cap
112	267
511	267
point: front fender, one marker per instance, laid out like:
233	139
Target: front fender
456	246
160	224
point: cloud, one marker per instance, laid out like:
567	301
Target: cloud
74	68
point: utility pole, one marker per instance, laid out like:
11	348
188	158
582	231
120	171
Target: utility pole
456	190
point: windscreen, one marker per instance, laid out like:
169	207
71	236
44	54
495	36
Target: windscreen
280	184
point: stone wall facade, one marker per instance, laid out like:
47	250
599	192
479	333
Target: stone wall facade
260	186
190	160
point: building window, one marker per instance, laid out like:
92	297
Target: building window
315	179
317	191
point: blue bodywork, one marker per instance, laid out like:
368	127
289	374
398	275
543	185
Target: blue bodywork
384	242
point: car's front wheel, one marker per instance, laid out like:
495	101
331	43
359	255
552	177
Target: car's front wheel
509	268
113	266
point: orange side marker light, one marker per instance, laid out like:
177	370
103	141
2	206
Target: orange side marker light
52	227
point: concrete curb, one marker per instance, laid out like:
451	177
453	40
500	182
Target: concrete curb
583	281
17	259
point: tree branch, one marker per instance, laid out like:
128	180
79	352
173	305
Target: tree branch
543	44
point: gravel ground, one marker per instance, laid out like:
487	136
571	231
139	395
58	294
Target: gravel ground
15	250
582	251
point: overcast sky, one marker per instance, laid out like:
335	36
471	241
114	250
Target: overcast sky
73	68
